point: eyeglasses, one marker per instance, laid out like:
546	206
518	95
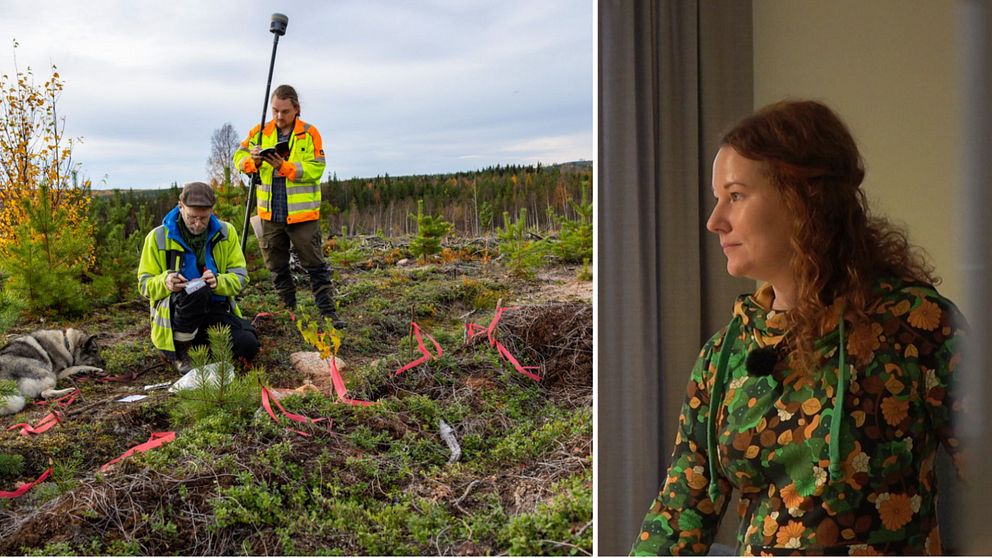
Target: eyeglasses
197	218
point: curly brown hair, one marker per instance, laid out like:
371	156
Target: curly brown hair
839	249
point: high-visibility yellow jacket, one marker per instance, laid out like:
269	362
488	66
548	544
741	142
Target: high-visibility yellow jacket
303	169
164	252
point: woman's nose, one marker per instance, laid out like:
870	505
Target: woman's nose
716	223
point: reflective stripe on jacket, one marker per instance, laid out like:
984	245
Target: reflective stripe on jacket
164	243
303	169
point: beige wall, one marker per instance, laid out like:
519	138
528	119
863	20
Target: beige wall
888	68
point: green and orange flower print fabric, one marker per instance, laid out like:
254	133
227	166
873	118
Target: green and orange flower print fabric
773	436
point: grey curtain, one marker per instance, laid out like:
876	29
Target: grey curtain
672	74
974	21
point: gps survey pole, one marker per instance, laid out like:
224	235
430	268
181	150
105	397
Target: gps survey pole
278	28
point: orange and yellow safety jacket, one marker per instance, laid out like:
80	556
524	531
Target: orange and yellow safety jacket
303	169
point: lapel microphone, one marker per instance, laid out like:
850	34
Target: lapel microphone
762	361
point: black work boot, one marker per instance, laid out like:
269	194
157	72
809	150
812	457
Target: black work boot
288	299
323	294
181	358
333	316
325	305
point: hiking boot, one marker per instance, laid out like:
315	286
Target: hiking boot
182	365
180	358
335	320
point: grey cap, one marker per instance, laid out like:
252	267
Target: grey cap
197	194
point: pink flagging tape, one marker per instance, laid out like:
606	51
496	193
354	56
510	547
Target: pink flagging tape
155	440
268	398
26	486
62	402
48	421
491	330
423	350
292	316
516	364
121	378
472	330
339	386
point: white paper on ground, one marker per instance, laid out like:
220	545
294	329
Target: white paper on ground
189	380
158	386
131	398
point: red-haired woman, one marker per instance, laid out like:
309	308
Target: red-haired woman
825	398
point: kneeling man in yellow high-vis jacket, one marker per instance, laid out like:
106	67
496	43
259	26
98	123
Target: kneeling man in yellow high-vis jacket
193	245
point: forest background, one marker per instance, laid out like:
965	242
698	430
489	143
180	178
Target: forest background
69	247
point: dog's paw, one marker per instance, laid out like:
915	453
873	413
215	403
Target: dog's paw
53	393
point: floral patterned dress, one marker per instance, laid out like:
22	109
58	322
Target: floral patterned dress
870	491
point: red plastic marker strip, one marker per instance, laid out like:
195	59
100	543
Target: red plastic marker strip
154	441
516	364
122	378
473	329
49	420
268	399
339	386
62	402
26	486
423	350
491	330
292	316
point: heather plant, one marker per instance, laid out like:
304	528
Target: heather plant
11	464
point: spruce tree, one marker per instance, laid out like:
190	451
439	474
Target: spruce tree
430	231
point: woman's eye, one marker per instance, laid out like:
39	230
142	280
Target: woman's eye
736	196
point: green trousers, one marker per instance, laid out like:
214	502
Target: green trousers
277	238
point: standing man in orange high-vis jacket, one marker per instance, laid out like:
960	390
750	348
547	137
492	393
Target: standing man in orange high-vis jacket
289	199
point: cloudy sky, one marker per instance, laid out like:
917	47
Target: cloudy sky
394	86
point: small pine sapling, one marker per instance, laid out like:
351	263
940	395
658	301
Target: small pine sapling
575	238
217	388
346	251
523	255
46	262
430	231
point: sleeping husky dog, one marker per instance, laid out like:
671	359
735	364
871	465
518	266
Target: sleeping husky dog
35	361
